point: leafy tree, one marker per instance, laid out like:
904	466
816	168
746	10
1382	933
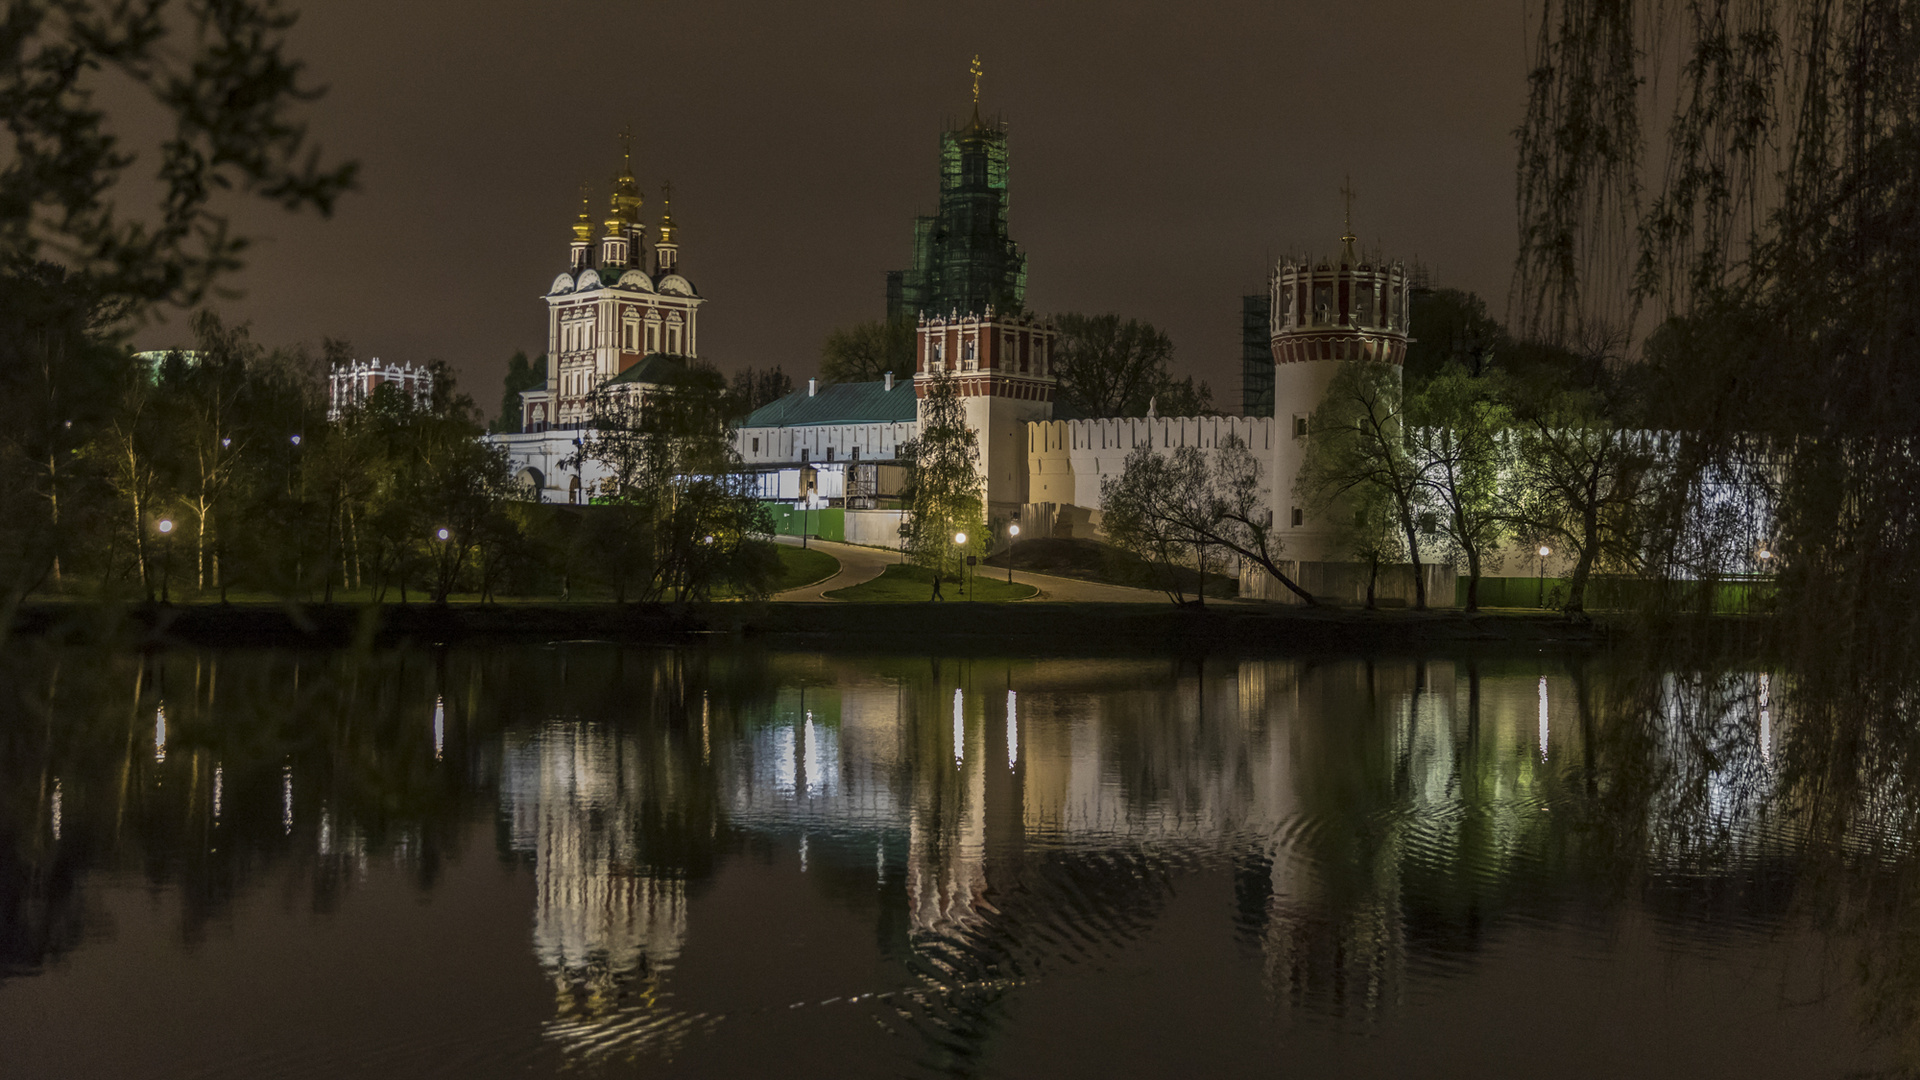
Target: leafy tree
1160	507
61	375
1460	443
1167	507
945	487
1453	328
522	375
676	494
865	352
753	388
1184	397
227	97
1110	368
128	452
1359	447
1366	526
78	263
1580	482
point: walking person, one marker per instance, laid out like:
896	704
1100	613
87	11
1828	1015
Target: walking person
936	587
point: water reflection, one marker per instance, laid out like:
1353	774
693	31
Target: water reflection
1011	832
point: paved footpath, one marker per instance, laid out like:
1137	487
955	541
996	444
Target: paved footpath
858	564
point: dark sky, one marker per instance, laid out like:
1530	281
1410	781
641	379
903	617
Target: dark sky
1161	154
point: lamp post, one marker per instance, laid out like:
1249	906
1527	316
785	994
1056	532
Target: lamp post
445	584
1013	535
960	541
166	559
1544	552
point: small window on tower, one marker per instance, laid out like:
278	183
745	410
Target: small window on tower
1299	517
1299	425
756	445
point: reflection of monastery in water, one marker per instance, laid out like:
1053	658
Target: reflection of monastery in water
1351	801
600	919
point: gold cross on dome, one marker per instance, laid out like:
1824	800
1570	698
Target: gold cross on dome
975	68
1346	192
666	192
626	146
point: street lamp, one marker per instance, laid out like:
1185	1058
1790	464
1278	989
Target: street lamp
960	541
166	560
1013	534
443	534
1544	552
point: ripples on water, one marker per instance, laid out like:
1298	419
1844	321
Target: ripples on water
728	863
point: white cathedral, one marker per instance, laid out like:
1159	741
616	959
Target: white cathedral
614	326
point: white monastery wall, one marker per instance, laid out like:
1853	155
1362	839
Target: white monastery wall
1068	460
824	442
535	460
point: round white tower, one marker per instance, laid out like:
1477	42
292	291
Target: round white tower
1326	312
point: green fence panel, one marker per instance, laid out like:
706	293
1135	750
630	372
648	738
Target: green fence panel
1605	593
789	520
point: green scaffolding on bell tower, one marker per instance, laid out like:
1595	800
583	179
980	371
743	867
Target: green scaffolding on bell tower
963	260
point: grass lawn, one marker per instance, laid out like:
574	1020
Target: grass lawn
1090	560
803	566
902	583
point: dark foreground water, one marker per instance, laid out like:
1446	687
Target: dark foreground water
627	861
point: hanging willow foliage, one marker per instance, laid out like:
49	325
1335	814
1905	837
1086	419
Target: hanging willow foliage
1766	252
1595	246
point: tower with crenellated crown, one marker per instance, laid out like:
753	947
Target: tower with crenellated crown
1327	312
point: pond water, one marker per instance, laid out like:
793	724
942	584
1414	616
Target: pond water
613	860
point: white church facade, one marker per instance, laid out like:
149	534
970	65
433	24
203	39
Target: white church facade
615	328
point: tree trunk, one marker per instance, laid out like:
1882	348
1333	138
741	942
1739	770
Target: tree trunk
1577	584
1413	552
1373	574
1473	577
140	546
53	505
1203	574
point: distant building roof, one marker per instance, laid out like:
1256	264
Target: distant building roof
840	403
656	368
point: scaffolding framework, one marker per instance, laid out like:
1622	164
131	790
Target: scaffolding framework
1256	355
963	260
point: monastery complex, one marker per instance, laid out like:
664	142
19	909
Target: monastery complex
621	314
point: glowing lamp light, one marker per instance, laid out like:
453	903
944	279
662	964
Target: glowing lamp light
1013	530
959	538
165	526
224	443
1765	554
296	440
443	534
1545	551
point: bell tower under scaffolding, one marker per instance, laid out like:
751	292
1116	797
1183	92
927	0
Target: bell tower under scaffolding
963	260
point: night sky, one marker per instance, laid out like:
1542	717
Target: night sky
1161	156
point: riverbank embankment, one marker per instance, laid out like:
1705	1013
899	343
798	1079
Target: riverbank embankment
1005	628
